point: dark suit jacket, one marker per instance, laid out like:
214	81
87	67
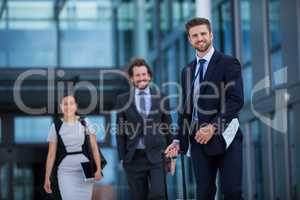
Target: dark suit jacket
224	72
156	129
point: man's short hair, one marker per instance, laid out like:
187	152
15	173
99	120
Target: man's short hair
196	22
138	62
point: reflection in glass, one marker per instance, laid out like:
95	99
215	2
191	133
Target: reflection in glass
276	63
20	43
274	23
113	128
86	34
32	129
23	182
3	181
125	26
113	183
100	127
245	25
245	188
294	161
29	15
176	14
222	27
257	144
247	82
279	164
0	131
275	40
85	15
227	27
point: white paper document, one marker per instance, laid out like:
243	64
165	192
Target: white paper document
231	131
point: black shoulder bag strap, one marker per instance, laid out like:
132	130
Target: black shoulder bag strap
89	147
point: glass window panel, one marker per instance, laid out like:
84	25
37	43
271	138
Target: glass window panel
21	45
247	82
86	26
275	40
164	26
30	9
125	15
31	50
90	48
150	25
227	27
23	182
86	10
30	24
294	161
3	181
245	160
245	25
111	155
222	24
3	20
189	9
32	129
177	14
276	63
2	24
216	29
279	165
113	129
0	131
125	26
99	125
3	59
274	23
257	144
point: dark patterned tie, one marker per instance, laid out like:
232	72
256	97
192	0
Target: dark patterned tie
201	68
197	89
143	104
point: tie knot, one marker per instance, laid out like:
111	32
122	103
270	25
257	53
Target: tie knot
201	61
142	93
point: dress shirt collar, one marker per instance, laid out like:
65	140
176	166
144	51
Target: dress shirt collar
146	90
207	56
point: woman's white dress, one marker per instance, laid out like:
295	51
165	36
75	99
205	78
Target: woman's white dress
70	175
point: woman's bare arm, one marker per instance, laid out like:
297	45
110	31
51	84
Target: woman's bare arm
95	151
49	165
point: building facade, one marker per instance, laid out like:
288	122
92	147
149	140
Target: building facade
80	40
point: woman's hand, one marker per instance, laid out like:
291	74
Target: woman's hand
47	185
98	175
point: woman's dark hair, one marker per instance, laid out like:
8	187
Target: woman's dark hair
68	95
138	62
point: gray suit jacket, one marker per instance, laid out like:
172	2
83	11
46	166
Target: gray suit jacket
130	125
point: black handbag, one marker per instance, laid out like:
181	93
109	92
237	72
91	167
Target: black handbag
91	164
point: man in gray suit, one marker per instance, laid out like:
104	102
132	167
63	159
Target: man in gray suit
143	133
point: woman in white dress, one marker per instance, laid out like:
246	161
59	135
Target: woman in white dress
67	150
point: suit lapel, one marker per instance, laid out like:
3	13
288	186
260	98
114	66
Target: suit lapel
191	72
154	103
189	77
212	65
133	107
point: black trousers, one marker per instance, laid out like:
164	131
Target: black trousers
144	178
230	170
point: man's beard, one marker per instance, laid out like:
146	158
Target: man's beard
146	85
205	48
